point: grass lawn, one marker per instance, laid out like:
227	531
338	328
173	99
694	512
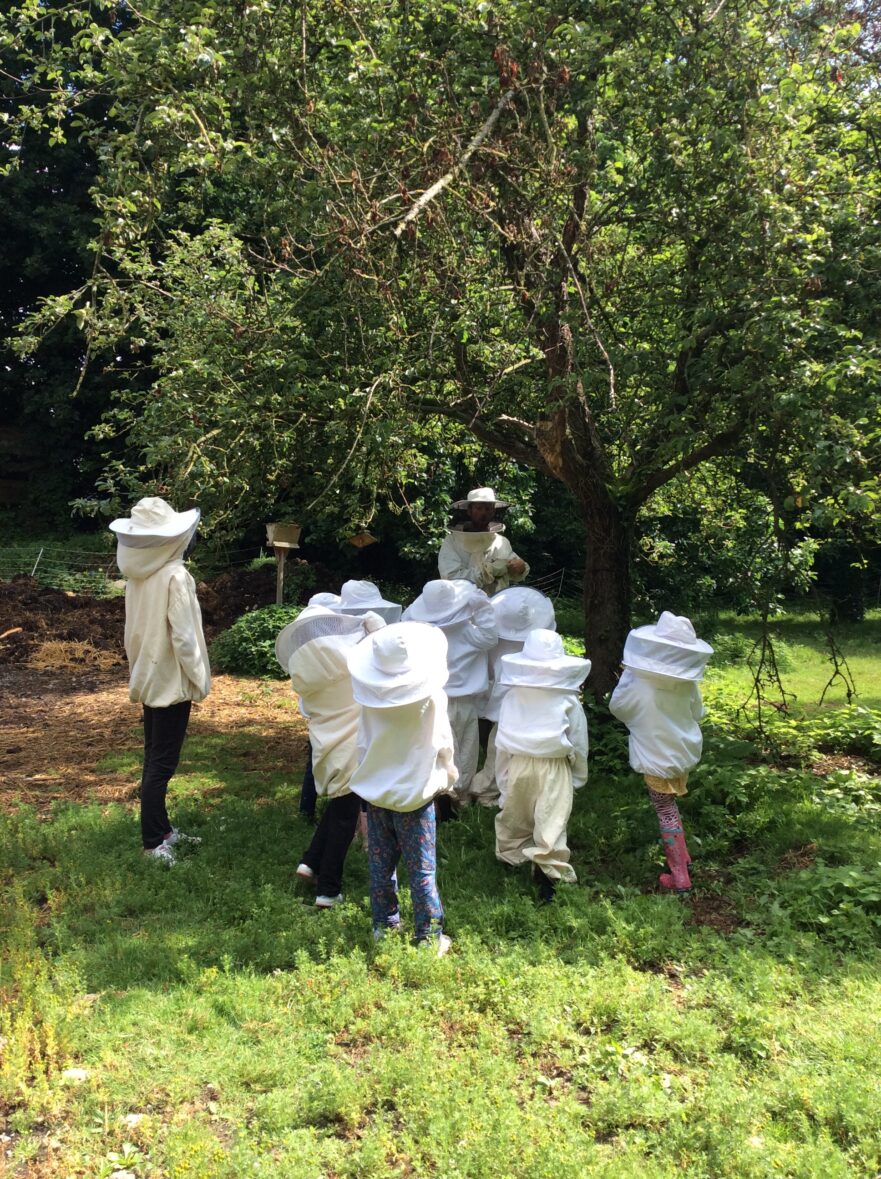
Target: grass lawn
206	1021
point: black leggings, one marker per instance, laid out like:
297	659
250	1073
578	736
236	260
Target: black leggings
326	854
164	732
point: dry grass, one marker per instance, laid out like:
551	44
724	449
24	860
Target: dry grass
59	724
70	655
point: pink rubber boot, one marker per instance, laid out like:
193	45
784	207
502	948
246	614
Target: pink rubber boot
677	879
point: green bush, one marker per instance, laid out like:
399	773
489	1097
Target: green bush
248	646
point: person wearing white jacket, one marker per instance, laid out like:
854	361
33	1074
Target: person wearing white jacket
659	701
165	647
519	609
465	614
405	750
541	757
477	549
313	650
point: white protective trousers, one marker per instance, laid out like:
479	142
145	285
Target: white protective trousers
536	806
484	788
462	711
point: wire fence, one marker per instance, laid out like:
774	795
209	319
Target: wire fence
64	567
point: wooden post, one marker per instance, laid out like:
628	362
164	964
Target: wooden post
281	555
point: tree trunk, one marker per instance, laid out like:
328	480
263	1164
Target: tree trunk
607	588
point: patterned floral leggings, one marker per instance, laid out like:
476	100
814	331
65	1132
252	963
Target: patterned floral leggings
392	834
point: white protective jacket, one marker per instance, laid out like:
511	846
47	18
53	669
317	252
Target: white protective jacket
468	644
542	722
480	557
663	715
168	659
492	702
406	754
320	674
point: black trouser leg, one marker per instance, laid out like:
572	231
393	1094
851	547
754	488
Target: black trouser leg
164	732
308	795
326	854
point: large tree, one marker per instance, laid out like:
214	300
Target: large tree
612	242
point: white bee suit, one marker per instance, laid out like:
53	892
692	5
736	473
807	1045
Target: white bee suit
320	673
466	617
541	754
467	646
164	642
663	716
541	758
484	787
518	610
479	557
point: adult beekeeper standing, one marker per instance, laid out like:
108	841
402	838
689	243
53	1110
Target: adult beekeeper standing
165	646
477	550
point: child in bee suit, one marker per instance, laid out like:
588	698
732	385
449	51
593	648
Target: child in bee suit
166	651
406	760
518	610
308	793
466	616
313	650
659	701
541	757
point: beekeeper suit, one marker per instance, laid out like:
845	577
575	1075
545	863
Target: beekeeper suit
165	647
659	700
541	756
313	650
477	550
465	614
518	610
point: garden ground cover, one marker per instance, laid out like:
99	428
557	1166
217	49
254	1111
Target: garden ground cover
207	1021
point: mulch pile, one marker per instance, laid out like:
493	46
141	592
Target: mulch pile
33	615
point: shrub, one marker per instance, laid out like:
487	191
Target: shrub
248	646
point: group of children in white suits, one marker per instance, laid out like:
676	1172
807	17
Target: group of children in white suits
394	705
422	685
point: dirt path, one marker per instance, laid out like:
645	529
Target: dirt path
56	727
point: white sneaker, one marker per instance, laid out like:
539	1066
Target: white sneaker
441	944
179	837
305	872
164	853
328	902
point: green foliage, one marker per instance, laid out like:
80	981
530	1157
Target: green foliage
663	252
248	646
842	904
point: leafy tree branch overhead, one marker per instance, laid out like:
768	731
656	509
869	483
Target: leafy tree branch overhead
614	243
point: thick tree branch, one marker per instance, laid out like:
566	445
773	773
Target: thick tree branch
680	388
508	435
719	444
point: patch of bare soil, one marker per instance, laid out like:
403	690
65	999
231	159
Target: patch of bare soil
798	858
32	615
57	726
716	912
830	762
